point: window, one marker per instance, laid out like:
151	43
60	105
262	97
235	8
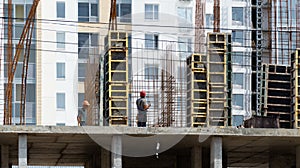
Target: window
80	99
237	16
20	13
238	80
60	101
151	71
237	36
209	20
60	124
184	46
185	15
60	38
238	101
87	12
60	9
87	44
81	71
238	58
181	75
237	120
151	41
124	12
151	12
60	70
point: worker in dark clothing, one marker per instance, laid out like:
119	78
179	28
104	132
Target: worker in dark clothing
142	107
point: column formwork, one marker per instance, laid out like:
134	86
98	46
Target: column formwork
295	104
116	79
197	93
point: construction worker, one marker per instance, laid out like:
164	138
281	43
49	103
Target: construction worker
142	107
81	117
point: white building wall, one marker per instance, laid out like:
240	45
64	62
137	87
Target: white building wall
51	55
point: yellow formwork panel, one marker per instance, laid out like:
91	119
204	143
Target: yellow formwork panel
116	73
217	78
295	98
197	104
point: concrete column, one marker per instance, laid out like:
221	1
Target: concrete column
216	152
4	156
105	159
22	150
196	157
116	151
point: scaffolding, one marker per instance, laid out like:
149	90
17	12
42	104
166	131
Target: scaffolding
116	79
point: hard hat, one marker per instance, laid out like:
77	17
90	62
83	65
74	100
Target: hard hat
85	103
142	93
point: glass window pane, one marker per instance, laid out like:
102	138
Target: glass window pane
149	41
94	10
31	71
18	30
17	110
18	73
83	52
237	36
60	37
125	13
18	92
94	40
238	80
30	92
237	58
60	100
60	9
83	9
156	12
237	120
81	71
237	101
148	11
21	57
83	39
237	16
28	7
60	70
60	124
32	53
19	13
80	99
151	72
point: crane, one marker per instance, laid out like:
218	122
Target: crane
26	37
